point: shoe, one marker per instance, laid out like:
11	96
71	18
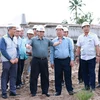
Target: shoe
98	86
80	81
4	96
62	83
92	89
57	94
48	95
71	93
18	87
13	94
33	94
86	88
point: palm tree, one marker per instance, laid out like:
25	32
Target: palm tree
76	5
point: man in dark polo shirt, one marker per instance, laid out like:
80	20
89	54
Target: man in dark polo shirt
39	63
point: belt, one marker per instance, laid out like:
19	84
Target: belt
62	58
40	58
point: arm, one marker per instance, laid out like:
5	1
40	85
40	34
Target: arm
55	43
71	54
3	49
52	56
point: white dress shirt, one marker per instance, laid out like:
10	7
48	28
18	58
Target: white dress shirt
87	44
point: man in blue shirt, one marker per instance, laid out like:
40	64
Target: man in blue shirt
22	57
61	58
9	58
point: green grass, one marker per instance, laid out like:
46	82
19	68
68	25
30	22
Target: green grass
84	95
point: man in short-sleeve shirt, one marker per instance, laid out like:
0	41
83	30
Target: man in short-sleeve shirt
87	47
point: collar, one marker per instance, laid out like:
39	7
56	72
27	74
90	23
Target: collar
62	37
39	38
87	34
9	36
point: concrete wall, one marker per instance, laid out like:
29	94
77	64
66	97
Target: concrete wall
74	31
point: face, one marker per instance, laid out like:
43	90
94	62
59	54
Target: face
30	35
66	33
86	29
35	32
59	32
17	33
40	33
21	33
12	30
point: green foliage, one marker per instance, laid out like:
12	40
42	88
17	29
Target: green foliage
86	17
84	95
64	21
75	7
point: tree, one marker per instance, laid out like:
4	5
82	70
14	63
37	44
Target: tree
75	6
64	21
86	17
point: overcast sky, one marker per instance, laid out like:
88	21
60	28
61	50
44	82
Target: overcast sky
42	10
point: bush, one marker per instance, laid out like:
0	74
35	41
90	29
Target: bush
84	95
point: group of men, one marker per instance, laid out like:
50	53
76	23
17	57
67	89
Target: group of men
19	53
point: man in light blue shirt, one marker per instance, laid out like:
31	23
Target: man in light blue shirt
61	58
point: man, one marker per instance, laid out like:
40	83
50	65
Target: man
88	48
66	32
61	58
9	57
39	62
22	56
79	70
30	35
35	30
98	86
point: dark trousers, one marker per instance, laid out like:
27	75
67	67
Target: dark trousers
88	72
62	65
80	71
99	74
20	71
39	66
9	73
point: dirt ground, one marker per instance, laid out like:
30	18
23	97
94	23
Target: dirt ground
25	93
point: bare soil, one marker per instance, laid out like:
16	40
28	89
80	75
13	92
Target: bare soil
25	92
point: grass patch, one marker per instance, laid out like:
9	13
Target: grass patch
84	95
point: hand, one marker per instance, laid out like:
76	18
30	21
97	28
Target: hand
72	63
28	46
60	41
52	66
16	60
77	59
97	59
12	61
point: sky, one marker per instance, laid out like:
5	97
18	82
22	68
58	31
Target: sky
42	10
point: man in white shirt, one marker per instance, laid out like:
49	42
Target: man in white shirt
98	86
88	48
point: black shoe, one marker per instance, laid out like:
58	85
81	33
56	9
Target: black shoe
98	86
48	95
86	88
92	89
18	87
33	94
13	94
57	94
71	93
62	83
80	81
4	96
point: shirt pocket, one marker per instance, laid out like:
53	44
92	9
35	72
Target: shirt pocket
91	43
